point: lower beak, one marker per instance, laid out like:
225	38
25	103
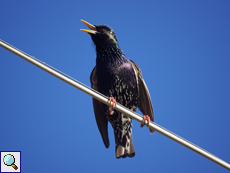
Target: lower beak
89	31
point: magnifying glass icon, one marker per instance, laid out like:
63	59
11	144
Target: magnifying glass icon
9	160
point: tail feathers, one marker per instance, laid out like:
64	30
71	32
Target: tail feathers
126	150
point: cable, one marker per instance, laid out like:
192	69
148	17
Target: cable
102	98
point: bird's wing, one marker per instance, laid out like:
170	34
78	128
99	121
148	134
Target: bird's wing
144	100
102	122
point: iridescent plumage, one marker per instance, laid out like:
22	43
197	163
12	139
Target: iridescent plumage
116	76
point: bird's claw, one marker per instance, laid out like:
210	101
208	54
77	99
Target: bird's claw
145	117
114	103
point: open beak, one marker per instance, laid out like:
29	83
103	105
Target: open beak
92	27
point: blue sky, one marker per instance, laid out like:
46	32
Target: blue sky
183	49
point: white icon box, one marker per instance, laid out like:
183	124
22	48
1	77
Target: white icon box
10	161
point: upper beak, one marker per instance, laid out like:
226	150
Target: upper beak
92	27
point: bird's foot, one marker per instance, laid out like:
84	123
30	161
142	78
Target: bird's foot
145	117
114	103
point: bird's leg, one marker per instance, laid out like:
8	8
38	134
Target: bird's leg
114	103
145	117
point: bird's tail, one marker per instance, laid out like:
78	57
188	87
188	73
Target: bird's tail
126	149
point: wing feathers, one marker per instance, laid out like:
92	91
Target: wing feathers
102	122
144	100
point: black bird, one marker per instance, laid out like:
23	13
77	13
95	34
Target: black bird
120	79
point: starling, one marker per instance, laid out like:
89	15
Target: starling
120	79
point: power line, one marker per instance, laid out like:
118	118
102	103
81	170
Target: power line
95	94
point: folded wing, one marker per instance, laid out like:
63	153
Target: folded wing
102	122
144	100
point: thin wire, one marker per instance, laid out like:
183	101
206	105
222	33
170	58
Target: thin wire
123	109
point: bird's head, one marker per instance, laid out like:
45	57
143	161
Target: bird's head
101	35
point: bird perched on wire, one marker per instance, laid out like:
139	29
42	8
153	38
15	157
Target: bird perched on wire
120	79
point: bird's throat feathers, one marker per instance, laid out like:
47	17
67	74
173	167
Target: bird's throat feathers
110	54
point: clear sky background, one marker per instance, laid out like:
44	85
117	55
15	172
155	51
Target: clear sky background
183	49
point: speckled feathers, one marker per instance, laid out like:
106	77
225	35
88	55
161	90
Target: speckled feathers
116	76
